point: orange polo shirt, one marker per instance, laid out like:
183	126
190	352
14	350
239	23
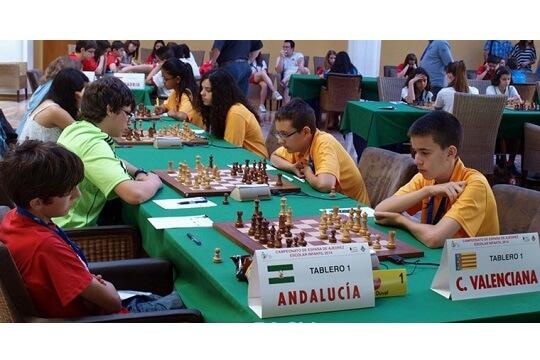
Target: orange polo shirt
185	105
330	157
475	209
243	129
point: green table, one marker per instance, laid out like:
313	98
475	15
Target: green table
214	290
383	123
143	95
308	87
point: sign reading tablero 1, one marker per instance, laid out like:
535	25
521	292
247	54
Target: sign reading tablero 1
489	266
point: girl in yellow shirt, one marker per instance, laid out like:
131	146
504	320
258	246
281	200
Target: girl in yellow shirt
178	77
227	113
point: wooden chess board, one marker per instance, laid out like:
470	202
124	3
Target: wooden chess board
310	226
226	185
147	118
146	140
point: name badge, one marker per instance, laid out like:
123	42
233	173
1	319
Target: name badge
303	280
132	80
488	266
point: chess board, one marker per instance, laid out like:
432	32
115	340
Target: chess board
226	185
147	117
146	140
310	226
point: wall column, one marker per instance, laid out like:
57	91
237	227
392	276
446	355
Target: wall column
366	56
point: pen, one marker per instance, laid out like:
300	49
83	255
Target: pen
195	240
193	201
299	179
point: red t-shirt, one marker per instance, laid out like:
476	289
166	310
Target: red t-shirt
88	65
112	59
489	75
52	272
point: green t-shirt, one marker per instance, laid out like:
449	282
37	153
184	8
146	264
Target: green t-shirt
102	172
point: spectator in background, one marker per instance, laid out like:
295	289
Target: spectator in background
100	55
260	77
289	62
487	71
523	55
456	74
155	77
417	87
499	48
152	58
409	65
114	56
343	65
184	54
131	53
328	62
434	59
84	52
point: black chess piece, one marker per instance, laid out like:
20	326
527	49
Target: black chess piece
226	199
239	223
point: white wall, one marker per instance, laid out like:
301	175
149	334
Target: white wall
17	51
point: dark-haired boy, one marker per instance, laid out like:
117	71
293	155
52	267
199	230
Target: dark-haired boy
455	201
313	154
114	56
84	52
105	109
488	70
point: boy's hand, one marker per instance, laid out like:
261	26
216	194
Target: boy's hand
150	177
298	169
100	279
451	189
388	218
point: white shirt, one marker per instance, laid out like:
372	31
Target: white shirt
509	92
445	98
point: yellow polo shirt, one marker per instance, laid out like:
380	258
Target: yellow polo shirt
330	157
185	106
243	129
475	209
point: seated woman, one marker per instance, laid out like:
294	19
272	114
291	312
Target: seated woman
260	77
129	58
409	64
342	65
329	60
523	55
227	113
417	87
152	58
178	77
500	85
58	109
456	73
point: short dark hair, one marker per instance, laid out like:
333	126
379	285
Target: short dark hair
164	53
299	113
493	59
290	43
107	91
117	45
85	44
444	127
502	70
37	169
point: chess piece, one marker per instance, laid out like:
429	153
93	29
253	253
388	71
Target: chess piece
302	240
377	243
332	193
279	181
226	199
337	223
277	243
170	167
335	213
391	241
345	234
322	233
239	223
283	210
256	202
289	241
288	220
217	256
157	101
332	239
210	161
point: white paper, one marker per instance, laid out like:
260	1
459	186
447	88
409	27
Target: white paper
174	222
198	132
268	167
370	212
126	294
171	204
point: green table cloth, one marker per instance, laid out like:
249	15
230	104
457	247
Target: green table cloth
143	95
308	87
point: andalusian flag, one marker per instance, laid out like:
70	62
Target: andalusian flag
466	261
279	274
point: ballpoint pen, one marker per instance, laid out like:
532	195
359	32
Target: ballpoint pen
192	201
195	240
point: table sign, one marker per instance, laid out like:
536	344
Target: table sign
132	80
488	266
312	279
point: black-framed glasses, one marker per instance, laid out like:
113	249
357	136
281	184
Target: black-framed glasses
282	136
128	113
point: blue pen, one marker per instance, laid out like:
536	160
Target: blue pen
195	240
197	201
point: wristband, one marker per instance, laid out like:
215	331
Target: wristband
139	171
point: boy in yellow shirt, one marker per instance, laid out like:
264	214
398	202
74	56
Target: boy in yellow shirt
455	201
315	155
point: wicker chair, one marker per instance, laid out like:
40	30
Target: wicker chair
527	92
471	75
384	172
481	85
199	56
13	76
390	71
518	209
306	61
480	116
33	78
318	61
153	275
339	89
390	88
271	141
531	151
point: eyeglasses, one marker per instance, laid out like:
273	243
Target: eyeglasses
128	114
282	136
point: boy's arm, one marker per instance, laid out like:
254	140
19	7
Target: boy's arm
135	192
103	295
284	164
323	182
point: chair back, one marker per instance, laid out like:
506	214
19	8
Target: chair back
518	209
527	92
390	71
390	88
340	88
318	61
199	56
531	148
471	75
15	301
144	53
306	61
384	172
480	116
481	85
33	78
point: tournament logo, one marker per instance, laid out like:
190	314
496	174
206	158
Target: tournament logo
280	274
466	261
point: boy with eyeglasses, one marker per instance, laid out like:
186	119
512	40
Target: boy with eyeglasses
314	155
455	201
84	52
105	109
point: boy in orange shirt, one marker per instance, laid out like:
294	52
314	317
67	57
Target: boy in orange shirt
455	201
313	154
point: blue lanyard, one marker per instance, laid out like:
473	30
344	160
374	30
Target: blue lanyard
440	210
57	230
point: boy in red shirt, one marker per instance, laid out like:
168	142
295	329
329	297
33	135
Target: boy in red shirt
488	70
114	56
84	52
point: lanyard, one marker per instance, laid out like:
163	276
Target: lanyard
57	230
440	210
